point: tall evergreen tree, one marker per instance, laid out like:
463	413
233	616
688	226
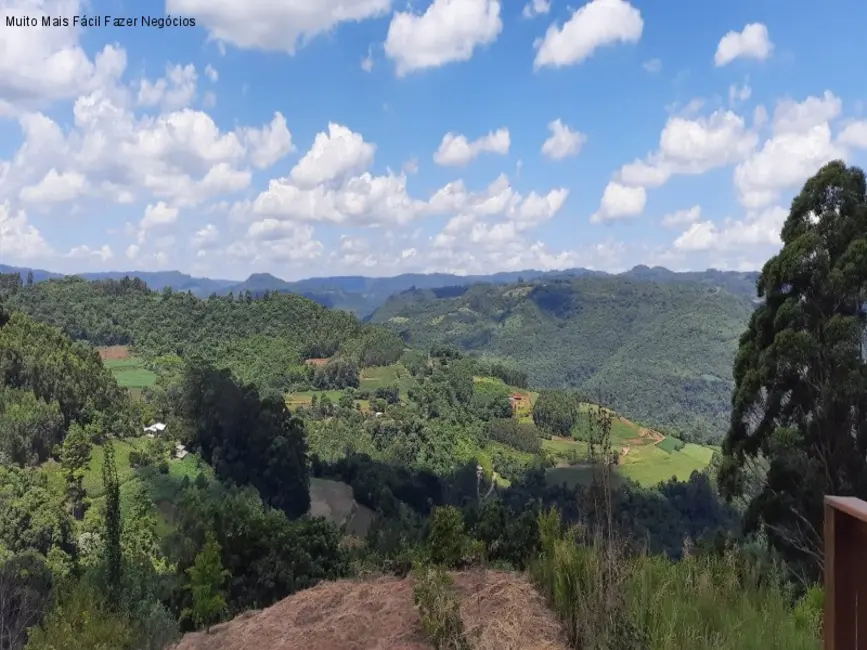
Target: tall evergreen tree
113	524
799	411
74	458
207	584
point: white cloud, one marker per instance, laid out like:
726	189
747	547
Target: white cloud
448	31
620	202
367	62
42	64
275	26
55	188
456	151
784	161
801	144
176	90
652	66
536	8
211	73
206	237
682	217
333	156
739	93
756	229
791	116
84	252
158	215
752	42
19	239
362	200
597	24
692	146
270	143
854	135
563	142
112	154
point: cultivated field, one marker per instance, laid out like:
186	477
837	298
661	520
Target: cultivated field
129	371
646	456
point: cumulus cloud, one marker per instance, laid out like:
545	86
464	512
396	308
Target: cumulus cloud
275	26
596	24
110	153
620	202
563	141
19	239
40	65
447	32
801	143
756	229
682	217
692	146
333	156
752	42
456	151
176	90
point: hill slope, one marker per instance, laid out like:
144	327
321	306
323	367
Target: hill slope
502	608
661	353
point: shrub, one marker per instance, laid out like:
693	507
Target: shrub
439	608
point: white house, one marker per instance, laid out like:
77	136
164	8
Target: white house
159	427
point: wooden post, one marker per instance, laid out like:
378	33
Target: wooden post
845	624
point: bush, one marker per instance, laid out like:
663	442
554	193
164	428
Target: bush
439	608
522	436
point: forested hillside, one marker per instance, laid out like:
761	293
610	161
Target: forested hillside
263	341
659	352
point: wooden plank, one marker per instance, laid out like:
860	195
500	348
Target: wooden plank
852	506
845	624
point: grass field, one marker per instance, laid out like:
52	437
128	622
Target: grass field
380	376
371	379
130	372
646	456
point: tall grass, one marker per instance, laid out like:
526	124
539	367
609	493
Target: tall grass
609	598
613	601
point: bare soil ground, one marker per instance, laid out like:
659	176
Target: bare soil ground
113	352
316	362
501	611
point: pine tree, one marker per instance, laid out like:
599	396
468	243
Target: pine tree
113	551
207	584
74	458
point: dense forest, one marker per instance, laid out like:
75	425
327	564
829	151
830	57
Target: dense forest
114	539
660	352
264	341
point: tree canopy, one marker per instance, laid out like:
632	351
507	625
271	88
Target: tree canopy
799	412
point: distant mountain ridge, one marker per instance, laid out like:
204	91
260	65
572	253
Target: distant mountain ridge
362	295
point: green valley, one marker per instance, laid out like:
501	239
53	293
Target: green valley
660	353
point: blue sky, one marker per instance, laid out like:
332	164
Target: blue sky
378	137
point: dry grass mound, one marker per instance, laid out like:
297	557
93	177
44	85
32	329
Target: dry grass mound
500	610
